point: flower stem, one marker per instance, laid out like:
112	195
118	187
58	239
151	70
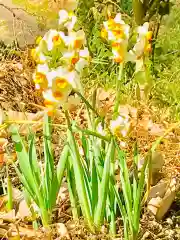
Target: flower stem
87	103
93	133
118	82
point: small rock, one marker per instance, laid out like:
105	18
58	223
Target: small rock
161	197
169	221
62	230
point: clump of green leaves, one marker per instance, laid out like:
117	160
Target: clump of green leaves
41	181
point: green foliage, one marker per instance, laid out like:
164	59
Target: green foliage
41	181
95	185
166	92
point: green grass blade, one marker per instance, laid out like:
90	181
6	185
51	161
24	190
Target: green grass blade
79	177
9	192
99	215
72	191
49	161
58	176
94	186
62	164
23	158
125	173
141	184
126	186
135	173
35	168
86	177
25	184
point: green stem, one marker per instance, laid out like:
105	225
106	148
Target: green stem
79	177
118	82
87	103
95	134
72	191
94	96
9	191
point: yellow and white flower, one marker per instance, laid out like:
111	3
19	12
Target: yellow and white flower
121	126
115	29
66	19
119	51
142	46
117	32
63	79
54	38
40	76
76	40
70	58
57	83
76	59
38	56
50	102
84	59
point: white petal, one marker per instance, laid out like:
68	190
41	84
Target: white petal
106	25
100	129
142	30
42	68
126	30
74	79
70	24
42	57
124	132
63	16
81	64
84	53
49	96
118	19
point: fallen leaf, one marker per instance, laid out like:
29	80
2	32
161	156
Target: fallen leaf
9	216
157	162
23	210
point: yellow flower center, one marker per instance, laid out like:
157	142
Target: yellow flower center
118	59
51	107
58	95
149	36
78	43
56	39
75	59
111	23
119	50
118	31
48	103
61	83
41	80
148	48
